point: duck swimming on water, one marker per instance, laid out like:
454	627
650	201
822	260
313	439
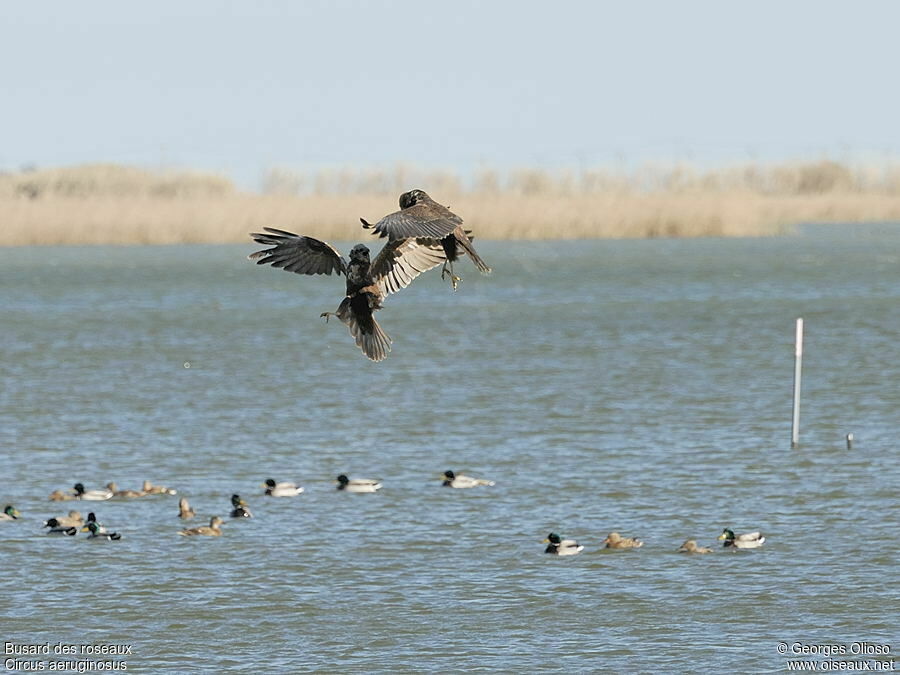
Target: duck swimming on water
151	489
73	519
185	512
91	495
214	529
99	533
747	540
239	508
455	480
690	546
56	528
556	545
616	540
129	494
10	513
286	489
357	484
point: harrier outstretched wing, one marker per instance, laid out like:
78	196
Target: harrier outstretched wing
296	253
422	220
402	260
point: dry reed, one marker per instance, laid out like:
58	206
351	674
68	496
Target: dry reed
104	204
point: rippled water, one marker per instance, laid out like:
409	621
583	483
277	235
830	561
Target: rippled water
638	386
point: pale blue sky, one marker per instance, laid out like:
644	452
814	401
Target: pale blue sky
242	87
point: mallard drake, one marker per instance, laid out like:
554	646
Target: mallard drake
615	540
690	546
129	494
91	495
60	496
747	540
559	546
240	509
151	489
185	512
460	481
10	513
357	484
92	525
274	489
97	531
213	530
74	519
56	528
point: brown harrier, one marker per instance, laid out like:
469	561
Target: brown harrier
368	284
421	216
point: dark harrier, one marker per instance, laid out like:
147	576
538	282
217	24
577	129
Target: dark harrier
421	216
368	284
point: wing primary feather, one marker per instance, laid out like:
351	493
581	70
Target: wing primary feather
400	261
297	253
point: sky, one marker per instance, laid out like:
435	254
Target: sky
243	87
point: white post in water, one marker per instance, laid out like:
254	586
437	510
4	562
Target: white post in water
798	360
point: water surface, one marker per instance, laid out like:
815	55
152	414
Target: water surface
638	386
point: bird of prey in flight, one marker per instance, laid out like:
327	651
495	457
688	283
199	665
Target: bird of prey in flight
421	216
368	282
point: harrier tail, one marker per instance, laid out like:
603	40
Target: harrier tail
356	314
466	245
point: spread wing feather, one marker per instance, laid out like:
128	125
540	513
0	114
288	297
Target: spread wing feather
422	220
402	260
297	253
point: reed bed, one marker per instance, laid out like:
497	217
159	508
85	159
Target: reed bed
106	204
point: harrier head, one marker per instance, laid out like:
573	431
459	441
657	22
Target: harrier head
359	253
413	197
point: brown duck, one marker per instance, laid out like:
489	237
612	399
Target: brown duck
615	540
214	529
690	546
